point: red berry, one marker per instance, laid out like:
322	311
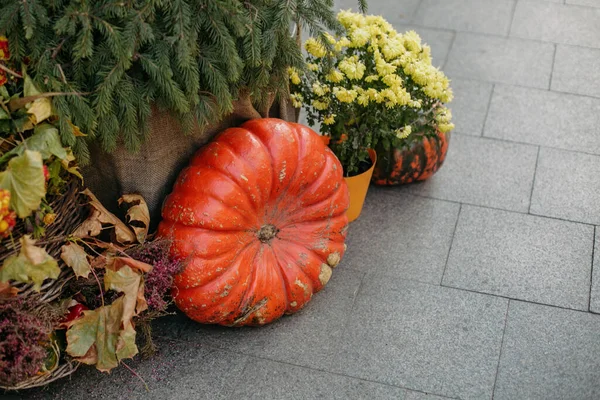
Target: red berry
75	312
46	173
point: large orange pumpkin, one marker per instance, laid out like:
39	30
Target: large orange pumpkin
417	162
260	217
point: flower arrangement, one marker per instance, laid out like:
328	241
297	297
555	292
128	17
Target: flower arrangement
376	88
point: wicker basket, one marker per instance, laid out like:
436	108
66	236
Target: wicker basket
70	213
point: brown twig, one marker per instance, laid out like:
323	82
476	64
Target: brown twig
10	71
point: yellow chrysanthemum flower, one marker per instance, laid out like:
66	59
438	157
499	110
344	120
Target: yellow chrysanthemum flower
344	95
329	119
334	76
412	41
349	19
359	37
403	133
294	76
319	89
312	66
353	68
371	78
320	104
315	48
383	68
341	44
445	128
296	99
363	99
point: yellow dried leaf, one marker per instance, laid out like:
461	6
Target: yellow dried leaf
101	216
75	257
103	337
32	265
138	216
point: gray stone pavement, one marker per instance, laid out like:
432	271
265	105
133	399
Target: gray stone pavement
477	284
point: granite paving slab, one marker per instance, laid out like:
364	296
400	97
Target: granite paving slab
498	59
544	118
269	380
549	353
485	16
557	23
483	172
567	186
424	337
391	247
577	70
308	338
521	256
470	105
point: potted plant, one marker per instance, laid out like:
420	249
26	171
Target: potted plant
376	89
148	72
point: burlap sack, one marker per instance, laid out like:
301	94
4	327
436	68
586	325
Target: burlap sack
153	170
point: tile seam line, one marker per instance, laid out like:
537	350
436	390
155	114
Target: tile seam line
485	294
337	374
584	311
501	348
487	110
451	244
564	3
449	50
497	36
415	12
494	208
552	68
512	18
229	391
541	89
497	139
535	169
592	271
337	347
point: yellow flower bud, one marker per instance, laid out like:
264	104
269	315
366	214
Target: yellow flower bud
315	48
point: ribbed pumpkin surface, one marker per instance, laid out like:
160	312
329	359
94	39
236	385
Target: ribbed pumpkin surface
416	163
260	217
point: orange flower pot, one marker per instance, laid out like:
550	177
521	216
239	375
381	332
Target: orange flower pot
358	186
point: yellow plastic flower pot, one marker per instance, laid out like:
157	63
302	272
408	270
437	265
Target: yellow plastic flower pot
358	186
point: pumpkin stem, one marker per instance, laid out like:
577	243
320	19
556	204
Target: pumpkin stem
267	232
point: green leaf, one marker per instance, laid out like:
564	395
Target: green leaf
75	257
24	179
97	337
44	140
32	265
3	114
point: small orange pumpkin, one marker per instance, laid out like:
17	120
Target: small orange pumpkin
260	217
417	162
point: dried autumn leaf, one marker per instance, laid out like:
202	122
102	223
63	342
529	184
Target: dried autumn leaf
24	179
118	262
69	166
32	265
76	131
39	109
138	216
125	280
99	216
75	257
102	337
